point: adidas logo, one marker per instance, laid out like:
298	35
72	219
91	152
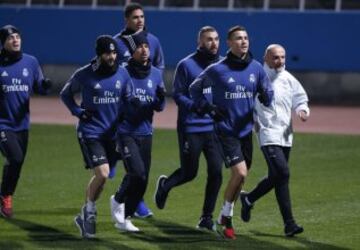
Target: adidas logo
231	80
3	74
127	53
97	86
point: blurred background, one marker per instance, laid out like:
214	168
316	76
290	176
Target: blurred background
321	36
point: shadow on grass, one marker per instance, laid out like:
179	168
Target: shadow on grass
54	211
176	236
157	233
43	236
309	244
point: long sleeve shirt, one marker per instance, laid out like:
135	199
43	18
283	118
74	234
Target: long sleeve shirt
186	71
102	96
275	124
234	89
138	120
18	81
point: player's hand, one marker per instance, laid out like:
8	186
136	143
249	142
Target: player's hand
195	109
46	84
86	115
135	102
215	113
303	115
160	92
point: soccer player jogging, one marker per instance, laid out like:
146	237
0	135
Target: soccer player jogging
135	132
135	22
104	88
275	135
20	75
195	131
235	82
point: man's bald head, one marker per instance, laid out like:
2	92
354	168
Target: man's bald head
275	56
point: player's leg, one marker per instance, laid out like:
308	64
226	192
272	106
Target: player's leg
190	147
263	187
13	146
114	157
282	192
136	181
97	182
95	158
213	156
238	157
142	210
234	160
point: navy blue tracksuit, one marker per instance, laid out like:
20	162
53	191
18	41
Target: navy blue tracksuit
235	84
195	133
19	77
102	96
135	133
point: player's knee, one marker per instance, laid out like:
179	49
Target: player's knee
189	176
139	180
215	173
284	175
102	171
273	176
16	162
240	170
243	174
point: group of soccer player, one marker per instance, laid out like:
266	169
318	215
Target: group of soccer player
220	100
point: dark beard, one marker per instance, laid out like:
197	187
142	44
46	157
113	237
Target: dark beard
138	69
104	69
205	57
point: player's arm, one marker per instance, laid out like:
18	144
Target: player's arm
300	100
159	101
264	89
67	96
41	84
181	89
202	105
159	61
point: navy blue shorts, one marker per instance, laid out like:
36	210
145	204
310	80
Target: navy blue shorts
98	151
236	150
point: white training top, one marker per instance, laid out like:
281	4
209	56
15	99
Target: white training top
273	124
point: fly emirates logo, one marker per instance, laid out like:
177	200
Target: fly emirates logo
108	98
16	86
240	93
141	94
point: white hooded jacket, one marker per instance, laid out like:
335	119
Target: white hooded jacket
273	124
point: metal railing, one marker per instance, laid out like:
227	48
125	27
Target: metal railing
265	5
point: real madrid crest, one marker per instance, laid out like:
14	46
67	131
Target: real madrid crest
25	72
118	84
252	78
150	83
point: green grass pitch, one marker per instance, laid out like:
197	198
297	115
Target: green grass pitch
325	189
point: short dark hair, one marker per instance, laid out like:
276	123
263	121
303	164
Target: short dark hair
204	30
234	29
130	8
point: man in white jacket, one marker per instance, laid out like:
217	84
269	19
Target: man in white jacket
275	135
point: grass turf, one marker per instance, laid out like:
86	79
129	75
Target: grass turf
325	191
